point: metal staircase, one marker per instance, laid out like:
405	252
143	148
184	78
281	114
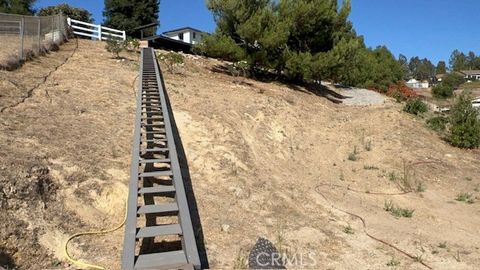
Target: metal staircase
158	230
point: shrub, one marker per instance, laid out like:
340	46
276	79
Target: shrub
465	197
398	211
115	47
132	44
438	123
415	106
401	92
465	123
11	62
453	79
172	60
239	68
442	91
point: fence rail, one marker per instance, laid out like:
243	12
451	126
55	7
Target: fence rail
22	35
95	31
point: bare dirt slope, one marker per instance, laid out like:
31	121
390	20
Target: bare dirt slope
275	161
265	159
65	140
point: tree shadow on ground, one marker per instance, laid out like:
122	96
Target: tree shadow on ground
308	88
6	261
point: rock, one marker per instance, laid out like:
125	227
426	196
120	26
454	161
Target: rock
225	227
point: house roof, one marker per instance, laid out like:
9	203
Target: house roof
182	29
470	72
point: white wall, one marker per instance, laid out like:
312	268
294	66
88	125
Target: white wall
187	36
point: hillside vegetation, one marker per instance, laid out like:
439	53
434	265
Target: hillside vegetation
302	40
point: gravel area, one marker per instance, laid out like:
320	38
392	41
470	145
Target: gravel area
358	96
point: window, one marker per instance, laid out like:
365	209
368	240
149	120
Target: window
180	36
194	35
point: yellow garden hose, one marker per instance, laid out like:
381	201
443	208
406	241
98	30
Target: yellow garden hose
87	265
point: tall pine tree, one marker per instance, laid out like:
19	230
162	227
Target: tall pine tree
441	67
304	40
130	14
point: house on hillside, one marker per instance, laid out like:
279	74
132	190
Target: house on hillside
476	102
471	74
412	83
186	34
439	77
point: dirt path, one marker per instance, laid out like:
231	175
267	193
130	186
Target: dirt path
64	155
267	160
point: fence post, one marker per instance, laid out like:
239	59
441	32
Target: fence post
39	34
22	34
53	28
59	18
99	32
125	35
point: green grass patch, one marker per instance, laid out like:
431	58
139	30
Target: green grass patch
398	211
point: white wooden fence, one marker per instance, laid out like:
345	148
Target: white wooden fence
95	31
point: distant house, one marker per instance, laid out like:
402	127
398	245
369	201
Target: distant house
186	34
471	74
476	103
439	77
412	83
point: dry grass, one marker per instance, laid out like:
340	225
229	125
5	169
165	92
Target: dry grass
258	150
69	125
259	153
10	50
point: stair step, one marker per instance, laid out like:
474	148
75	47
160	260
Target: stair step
152	231
155	174
144	161
161	208
155	112
163	260
161	132
153	125
153	140
149	150
160	189
152	118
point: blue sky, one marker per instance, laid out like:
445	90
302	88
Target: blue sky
424	28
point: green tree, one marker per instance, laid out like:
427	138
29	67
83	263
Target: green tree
403	61
441	67
130	14
220	46
472	61
304	40
453	79
23	7
465	123
458	61
421	69
67	10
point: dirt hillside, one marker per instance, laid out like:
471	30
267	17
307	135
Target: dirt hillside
266	160
65	144
269	160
